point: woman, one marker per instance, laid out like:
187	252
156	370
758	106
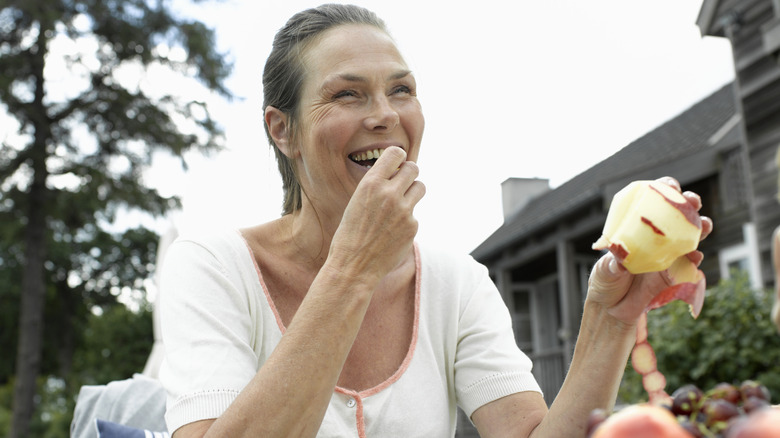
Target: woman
331	321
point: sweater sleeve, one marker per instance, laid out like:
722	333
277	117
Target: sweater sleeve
488	363
207	329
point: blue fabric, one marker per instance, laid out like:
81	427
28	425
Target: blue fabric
108	429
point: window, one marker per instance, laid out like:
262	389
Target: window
743	256
521	319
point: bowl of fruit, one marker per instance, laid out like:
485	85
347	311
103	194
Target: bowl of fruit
724	411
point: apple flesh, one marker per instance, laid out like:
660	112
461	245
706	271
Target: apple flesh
641	421
649	225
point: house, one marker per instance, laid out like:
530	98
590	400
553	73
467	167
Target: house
723	148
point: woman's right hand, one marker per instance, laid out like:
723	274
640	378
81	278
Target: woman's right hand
378	227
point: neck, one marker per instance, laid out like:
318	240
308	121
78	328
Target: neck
310	234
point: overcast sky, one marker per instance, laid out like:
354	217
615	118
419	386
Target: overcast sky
524	88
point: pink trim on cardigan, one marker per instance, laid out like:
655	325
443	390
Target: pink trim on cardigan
279	322
358	396
410	353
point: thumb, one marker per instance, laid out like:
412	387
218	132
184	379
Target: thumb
608	267
389	162
609	278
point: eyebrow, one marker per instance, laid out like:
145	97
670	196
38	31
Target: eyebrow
356	78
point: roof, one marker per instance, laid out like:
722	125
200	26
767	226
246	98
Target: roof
706	19
690	132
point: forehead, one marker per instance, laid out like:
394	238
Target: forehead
351	48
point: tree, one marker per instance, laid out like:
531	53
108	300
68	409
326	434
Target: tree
85	134
732	340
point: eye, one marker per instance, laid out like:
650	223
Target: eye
345	93
402	89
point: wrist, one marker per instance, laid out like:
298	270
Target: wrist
347	277
602	335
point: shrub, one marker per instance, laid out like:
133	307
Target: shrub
732	340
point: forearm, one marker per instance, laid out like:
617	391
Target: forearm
290	393
597	366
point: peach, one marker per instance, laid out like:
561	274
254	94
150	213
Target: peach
641	421
763	423
649	225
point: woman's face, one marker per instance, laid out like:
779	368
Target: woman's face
358	96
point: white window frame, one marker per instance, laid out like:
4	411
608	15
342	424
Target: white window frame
748	251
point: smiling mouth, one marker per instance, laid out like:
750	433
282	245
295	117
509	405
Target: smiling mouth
366	158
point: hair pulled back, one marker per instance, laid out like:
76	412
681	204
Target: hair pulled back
284	74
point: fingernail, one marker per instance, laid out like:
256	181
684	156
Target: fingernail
614	266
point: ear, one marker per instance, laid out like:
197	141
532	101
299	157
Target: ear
279	128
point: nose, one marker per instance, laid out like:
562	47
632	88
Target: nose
382	115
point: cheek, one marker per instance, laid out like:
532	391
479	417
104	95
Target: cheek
414	126
329	127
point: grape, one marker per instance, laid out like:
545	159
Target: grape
751	388
754	404
691	427
726	391
719	411
686	399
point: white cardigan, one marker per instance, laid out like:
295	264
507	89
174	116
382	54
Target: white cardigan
219	326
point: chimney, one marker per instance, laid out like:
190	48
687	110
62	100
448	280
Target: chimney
516	193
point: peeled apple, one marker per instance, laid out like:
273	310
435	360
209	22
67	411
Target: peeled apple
649	225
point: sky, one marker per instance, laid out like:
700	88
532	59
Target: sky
533	89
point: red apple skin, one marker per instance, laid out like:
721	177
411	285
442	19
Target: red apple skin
763	423
641	421
686	208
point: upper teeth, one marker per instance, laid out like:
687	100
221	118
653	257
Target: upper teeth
366	155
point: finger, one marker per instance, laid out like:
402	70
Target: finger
388	163
668	180
415	192
607	278
706	227
407	171
694	199
608	266
696	257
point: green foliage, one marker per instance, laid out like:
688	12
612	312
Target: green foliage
86	275
85	113
6	397
732	340
116	344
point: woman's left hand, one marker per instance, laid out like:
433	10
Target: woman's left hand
625	296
